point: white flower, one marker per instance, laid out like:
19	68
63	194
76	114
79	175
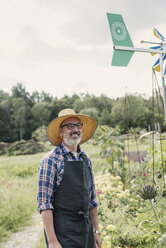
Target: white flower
160	240
164	236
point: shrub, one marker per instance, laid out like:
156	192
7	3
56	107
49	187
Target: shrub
25	147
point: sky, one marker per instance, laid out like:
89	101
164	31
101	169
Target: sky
64	47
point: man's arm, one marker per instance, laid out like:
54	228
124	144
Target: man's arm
46	185
94	216
47	217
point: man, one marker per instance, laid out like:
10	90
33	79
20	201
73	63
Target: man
66	192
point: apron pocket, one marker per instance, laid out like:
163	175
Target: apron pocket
76	224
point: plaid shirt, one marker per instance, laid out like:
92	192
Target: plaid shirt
51	172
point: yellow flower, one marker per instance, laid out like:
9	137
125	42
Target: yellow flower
127	191
103	128
104	233
121	195
126	159
107	238
100	227
118	178
106	245
120	187
111	227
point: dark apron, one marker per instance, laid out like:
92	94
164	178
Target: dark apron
72	221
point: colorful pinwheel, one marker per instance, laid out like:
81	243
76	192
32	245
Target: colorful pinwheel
161	46
124	48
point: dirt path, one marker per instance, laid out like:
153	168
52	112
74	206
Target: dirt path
134	155
26	238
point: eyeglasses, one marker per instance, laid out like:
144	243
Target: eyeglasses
71	126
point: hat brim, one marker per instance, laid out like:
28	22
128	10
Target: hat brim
88	129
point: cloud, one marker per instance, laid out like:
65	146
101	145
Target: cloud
87	23
37	53
50	44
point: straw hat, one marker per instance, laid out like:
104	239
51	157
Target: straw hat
88	129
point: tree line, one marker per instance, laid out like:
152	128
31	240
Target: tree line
21	113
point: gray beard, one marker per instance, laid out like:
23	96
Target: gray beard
68	141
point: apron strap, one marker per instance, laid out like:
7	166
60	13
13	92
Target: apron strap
85	216
84	157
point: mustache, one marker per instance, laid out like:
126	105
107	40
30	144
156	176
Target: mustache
78	133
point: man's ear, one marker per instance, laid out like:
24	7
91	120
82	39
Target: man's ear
60	131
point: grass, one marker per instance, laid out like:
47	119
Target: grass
93	152
18	187
41	243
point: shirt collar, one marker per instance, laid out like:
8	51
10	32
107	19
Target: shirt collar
66	150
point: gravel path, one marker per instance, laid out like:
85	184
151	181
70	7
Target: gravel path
26	238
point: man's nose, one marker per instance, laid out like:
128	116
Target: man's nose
75	127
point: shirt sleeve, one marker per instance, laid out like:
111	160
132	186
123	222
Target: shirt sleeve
93	199
46	181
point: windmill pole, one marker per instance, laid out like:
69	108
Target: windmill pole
157	51
162	70
163	83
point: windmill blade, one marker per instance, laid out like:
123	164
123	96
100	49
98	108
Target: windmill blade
120	37
165	71
156	65
158	35
155	47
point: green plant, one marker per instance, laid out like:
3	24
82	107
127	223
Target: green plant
18	188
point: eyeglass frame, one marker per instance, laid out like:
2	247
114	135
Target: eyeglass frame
78	125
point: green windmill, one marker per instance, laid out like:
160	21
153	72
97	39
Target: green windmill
124	48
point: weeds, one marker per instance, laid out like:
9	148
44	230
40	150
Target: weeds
18	188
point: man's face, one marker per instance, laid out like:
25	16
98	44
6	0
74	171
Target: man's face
71	134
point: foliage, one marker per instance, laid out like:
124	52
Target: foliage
41	113
24	147
125	219
91	112
19	111
3	147
18	187
159	154
22	113
39	134
112	147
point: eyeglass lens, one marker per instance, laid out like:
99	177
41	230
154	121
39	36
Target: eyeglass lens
71	126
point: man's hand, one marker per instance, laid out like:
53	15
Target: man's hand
97	240
55	244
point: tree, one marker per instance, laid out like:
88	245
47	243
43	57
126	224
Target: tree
41	114
45	97
19	111
102	103
5	125
91	112
35	97
4	96
39	134
19	91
